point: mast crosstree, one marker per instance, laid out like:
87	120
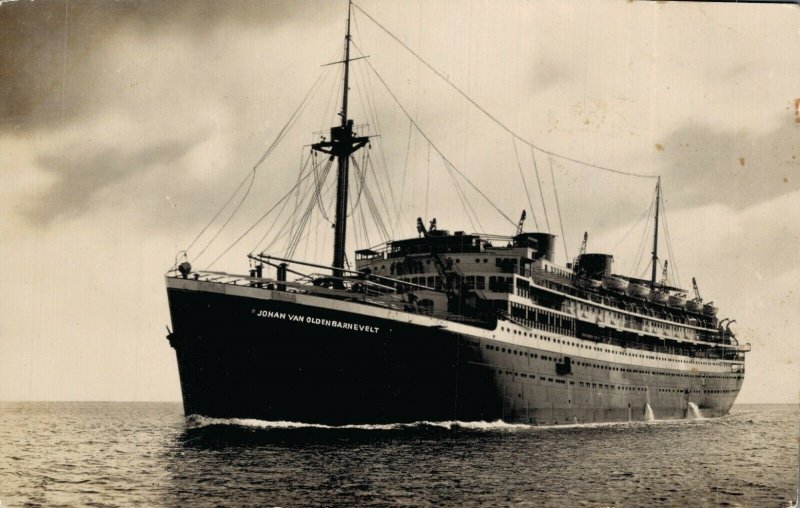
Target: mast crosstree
343	143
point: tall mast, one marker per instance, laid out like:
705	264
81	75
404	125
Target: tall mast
341	145
655	236
345	88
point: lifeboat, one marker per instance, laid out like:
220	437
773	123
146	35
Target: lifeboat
658	297
615	284
638	290
593	283
694	306
677	300
710	309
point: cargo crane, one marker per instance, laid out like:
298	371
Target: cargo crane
521	223
583	245
577	267
697	297
450	280
449	274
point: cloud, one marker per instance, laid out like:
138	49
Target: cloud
48	63
152	102
737	168
79	175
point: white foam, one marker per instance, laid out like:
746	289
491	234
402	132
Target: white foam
198	421
648	413
693	412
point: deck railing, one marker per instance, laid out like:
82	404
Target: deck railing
358	290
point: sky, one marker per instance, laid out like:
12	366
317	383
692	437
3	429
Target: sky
125	126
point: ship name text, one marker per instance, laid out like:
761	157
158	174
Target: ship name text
315	321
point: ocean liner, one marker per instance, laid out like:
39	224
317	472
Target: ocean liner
445	326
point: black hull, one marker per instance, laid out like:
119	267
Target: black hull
244	357
276	369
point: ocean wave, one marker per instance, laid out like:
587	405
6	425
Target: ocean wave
198	421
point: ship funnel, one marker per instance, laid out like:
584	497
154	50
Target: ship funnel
544	243
595	266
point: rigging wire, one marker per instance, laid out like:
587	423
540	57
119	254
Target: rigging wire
364	227
329	113
261	240
326	192
284	198
288	227
462	197
427	179
307	231
297	236
460	192
673	265
645	234
489	115
384	201
252	173
373	208
362	181
294	241
372	112
541	192
365	232
280	213
297	201
524	183
230	217
422	133
297	233
318	191
410	125
405	165
558	207
636	224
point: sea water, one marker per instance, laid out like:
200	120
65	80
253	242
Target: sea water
148	454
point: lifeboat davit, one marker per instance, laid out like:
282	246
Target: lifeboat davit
658	297
638	290
694	306
615	284
709	309
677	300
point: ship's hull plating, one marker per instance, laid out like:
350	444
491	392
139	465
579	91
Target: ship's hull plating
277	359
